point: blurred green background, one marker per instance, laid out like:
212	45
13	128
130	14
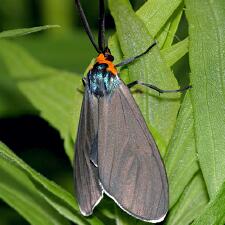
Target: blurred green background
66	48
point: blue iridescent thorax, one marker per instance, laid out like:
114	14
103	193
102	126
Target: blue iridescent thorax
102	82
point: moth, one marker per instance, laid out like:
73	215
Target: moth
115	154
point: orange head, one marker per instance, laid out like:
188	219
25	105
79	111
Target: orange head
106	58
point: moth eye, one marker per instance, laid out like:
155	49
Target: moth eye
109	57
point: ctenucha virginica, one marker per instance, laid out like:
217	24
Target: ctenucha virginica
115	152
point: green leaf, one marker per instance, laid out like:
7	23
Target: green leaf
181	160
115	49
25	31
57	197
55	93
175	20
207	53
175	52
162	35
214	213
18	191
191	203
150	69
155	14
167	33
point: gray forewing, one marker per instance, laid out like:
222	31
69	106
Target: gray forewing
130	167
87	188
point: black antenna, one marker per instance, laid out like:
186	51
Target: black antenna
101	32
86	25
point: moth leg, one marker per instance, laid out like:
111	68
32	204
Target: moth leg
84	81
132	84
130	60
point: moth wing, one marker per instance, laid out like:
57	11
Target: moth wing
130	167
87	188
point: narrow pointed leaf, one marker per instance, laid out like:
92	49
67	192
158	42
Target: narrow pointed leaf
207	53
25	31
59	199
171	32
181	160
155	14
192	202
175	52
54	93
162	35
214	213
18	191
